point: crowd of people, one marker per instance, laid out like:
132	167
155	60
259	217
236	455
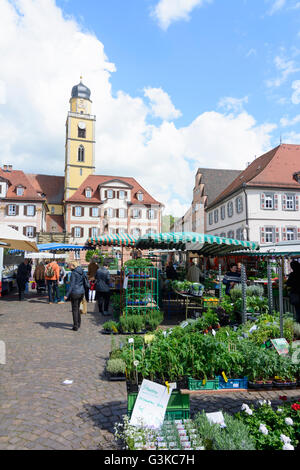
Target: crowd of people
79	287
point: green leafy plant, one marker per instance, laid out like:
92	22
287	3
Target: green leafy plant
116	366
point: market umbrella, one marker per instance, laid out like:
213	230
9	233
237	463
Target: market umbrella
190	241
118	239
11	238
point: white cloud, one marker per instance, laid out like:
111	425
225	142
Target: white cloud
233	104
168	11
161	104
286	68
43	55
296	94
276	6
286	122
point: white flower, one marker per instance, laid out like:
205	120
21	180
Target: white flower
285	439
288	447
248	411
263	429
269	403
244	407
280	410
289	421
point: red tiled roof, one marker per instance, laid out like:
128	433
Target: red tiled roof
19	178
50	185
93	182
273	169
55	223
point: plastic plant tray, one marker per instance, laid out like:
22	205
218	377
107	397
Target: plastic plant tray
233	383
195	384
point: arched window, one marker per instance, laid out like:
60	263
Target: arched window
81	153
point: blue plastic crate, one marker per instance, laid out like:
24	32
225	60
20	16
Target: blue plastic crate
233	383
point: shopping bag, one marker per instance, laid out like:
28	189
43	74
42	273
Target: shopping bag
83	306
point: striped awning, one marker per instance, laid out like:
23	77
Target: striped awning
202	243
118	239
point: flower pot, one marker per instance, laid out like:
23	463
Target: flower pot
255	385
282	385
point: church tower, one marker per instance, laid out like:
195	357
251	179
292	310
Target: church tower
80	140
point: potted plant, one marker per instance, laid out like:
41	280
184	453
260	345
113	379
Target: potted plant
115	369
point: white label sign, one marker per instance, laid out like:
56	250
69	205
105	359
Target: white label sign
151	404
216	418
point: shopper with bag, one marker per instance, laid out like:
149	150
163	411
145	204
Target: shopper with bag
78	285
293	283
102	279
22	278
52	278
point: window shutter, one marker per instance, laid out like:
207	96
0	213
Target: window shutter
17	210
114	194
34	231
283	200
262	201
91	212
262	235
117	213
140	213
296	203
298	232
34	211
73	211
73	232
6	210
81	232
25	210
277	234
275	201
125	192
283	234
82	212
90	232
24	231
105	194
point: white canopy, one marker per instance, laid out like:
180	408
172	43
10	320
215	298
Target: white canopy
12	239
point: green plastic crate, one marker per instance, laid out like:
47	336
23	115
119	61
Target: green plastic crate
195	384
178	403
172	415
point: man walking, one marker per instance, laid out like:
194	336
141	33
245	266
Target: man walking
78	285
52	278
22	278
102	278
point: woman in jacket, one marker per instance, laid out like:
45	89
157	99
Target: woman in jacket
78	283
22	278
102	279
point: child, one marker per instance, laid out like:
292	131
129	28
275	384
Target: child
92	291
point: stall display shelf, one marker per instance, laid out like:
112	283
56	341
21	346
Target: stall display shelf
142	289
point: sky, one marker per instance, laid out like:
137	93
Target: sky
175	85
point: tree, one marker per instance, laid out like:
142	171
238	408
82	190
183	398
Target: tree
167	222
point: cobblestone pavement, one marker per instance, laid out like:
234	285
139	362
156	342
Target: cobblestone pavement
37	411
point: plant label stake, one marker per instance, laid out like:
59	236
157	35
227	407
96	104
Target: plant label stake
136	363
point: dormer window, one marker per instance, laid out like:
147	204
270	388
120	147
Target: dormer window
140	196
20	191
110	194
88	193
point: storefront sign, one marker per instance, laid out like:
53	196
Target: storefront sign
151	405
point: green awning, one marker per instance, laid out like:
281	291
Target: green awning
122	239
208	245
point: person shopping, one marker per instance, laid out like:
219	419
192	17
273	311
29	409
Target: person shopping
102	279
22	278
293	283
231	278
39	276
76	292
52	278
92	291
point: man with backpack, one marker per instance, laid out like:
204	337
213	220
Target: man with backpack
52	278
78	285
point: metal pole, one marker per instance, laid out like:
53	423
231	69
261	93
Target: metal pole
270	290
220	284
280	298
244	298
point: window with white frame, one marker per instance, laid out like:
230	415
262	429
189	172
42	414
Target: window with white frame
140	196
88	193
112	231
77	232
94	232
78	211
136	232
12	209
223	212
122	213
230	209
210	218
110	194
109	212
240	234
29	232
216	216
151	214
291	233
290	202
239	205
121	194
77	254
269	201
269	235
81	153
136	213
230	234
30	210
95	212
20	191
